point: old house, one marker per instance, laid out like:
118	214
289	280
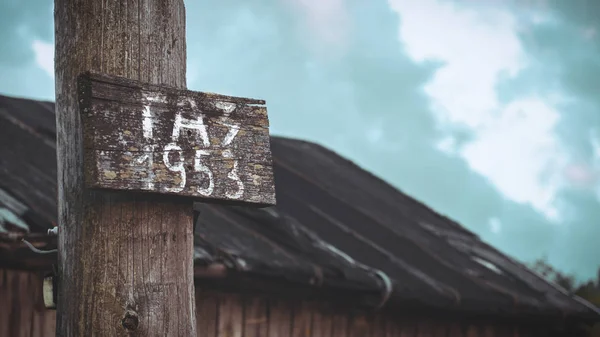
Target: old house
343	254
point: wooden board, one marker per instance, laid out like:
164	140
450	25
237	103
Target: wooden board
280	317
149	138
256	317
231	322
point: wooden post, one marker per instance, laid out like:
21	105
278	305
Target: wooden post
133	147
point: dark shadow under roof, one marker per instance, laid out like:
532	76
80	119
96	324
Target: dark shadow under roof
335	225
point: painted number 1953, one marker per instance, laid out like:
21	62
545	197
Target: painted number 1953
199	129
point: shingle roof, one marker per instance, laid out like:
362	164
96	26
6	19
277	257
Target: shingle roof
335	225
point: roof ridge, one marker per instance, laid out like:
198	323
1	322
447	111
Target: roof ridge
27	99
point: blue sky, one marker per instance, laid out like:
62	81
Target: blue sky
486	110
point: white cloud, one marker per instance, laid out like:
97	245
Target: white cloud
44	56
517	151
514	144
328	20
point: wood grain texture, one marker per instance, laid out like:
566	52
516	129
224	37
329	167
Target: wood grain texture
440	329
22	312
142	137
302	316
322	323
360	326
473	331
207	309
392	328
379	326
408	328
231	321
280	318
489	331
122	257
427	328
340	325
256	317
455	330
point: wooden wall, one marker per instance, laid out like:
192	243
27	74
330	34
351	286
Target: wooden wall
22	314
22	311
227	315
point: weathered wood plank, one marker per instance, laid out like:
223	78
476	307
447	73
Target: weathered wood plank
22	311
280	318
27	305
473	331
322	323
340	325
425	328
379	325
440	329
408	327
142	137
11	307
5	310
302	315
392	328
230	316
503	331
489	331
455	330
256	319
360	326
207	308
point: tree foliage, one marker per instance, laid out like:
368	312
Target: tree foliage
588	290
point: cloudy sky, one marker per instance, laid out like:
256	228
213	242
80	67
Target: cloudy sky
487	110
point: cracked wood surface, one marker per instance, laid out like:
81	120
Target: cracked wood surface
125	259
142	137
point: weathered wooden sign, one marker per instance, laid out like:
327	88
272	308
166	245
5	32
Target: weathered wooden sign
142	137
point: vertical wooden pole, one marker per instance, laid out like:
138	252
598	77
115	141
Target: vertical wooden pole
125	260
